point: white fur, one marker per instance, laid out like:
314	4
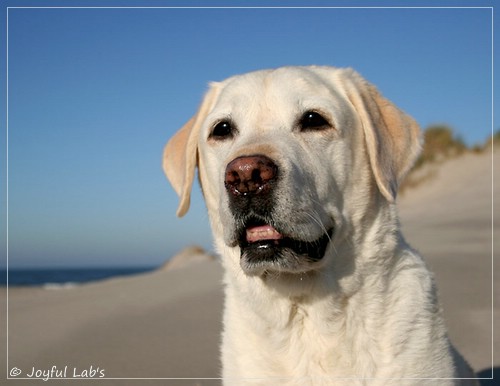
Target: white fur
367	313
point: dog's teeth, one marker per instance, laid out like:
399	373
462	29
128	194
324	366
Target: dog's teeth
263	232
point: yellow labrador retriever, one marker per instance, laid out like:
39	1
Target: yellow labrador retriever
299	168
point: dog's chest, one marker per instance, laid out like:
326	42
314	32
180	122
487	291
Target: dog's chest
318	339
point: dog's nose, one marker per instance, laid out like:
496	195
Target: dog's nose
250	175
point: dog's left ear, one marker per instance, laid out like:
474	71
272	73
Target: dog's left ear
392	138
180	155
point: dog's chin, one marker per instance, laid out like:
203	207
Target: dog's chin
282	255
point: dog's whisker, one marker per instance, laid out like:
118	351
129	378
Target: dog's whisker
314	216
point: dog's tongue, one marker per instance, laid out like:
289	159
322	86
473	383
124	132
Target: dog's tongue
262	232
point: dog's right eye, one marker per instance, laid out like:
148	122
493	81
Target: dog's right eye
222	130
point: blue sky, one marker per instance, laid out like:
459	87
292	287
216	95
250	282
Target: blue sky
94	94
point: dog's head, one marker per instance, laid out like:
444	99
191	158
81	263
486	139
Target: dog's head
287	159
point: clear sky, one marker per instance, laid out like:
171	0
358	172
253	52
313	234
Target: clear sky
94	94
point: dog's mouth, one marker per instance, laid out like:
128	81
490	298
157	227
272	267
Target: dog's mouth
265	248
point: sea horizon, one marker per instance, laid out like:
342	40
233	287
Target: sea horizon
65	276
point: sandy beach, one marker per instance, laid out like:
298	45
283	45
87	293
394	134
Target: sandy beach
167	324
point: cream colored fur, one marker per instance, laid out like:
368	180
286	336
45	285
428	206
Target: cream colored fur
365	314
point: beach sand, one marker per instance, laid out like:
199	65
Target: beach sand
167	324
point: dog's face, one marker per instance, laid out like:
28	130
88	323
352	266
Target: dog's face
287	159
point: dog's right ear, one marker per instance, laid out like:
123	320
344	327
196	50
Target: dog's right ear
180	154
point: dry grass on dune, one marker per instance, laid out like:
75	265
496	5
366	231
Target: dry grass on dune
441	144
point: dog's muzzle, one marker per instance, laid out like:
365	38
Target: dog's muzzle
250	182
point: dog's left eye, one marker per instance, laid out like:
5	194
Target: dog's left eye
312	120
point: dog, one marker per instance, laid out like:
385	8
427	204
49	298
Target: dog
299	168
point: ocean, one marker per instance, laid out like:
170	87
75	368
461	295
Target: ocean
57	277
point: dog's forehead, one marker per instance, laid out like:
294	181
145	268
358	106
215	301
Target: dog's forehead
290	86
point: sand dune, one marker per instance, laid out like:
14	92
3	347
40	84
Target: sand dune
166	324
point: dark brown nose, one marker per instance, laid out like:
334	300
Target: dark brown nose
250	175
